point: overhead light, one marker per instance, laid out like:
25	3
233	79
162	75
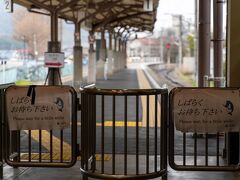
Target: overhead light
148	5
37	10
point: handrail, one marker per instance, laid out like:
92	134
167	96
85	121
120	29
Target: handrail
98	91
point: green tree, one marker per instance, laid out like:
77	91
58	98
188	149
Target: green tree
32	29
190	40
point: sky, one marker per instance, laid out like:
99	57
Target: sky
6	21
167	8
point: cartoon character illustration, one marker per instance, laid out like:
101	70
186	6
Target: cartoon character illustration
60	104
229	107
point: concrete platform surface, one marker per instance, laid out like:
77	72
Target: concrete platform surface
75	174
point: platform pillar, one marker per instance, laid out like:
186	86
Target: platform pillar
91	62
77	58
204	40
54	46
110	55
233	73
102	57
115	56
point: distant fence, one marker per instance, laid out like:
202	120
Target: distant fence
32	73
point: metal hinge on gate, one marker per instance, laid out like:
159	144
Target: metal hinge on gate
13	155
92	161
78	104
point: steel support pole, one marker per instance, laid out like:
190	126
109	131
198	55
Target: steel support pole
218	38
1	133
196	41
125	53
103	46
101	73
115	43
110	55
180	46
54	46
115	54
91	45
119	62
91	61
204	40
119	44
110	40
233	73
77	53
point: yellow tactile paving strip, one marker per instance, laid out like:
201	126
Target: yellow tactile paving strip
144	84
117	124
55	148
55	145
56	157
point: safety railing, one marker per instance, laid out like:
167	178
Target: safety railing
2	89
42	148
191	151
112	125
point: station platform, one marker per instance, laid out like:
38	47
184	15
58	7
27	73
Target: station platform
134	77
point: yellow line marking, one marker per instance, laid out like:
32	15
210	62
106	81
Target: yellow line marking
144	84
67	149
56	157
56	148
117	124
107	157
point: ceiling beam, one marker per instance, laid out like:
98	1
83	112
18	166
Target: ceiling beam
40	5
104	7
119	19
65	5
111	17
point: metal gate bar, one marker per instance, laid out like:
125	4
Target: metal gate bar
196	137
2	90
1	134
88	133
37	156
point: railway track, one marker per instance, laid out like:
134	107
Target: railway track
164	77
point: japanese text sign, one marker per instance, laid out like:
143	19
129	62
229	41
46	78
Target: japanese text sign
54	60
206	110
38	107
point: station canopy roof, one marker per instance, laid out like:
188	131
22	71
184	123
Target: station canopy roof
129	15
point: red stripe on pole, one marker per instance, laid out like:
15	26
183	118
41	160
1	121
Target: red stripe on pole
53	64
